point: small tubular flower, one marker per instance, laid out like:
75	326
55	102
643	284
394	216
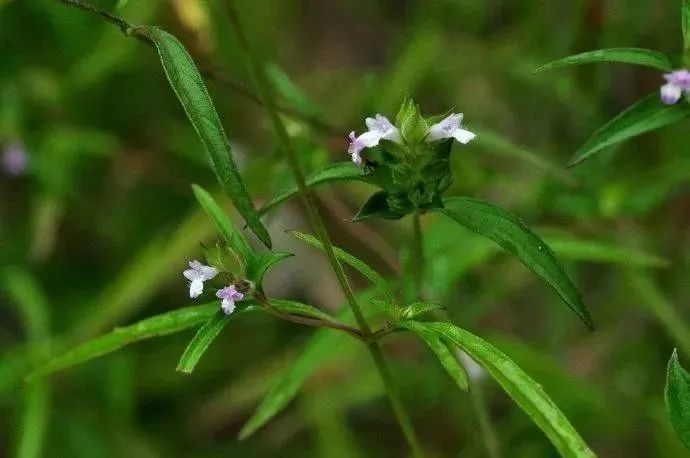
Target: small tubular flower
677	82
229	295
197	274
380	128
450	127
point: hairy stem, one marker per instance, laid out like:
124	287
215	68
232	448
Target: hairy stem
417	257
263	89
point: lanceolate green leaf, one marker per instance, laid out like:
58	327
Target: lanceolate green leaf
636	56
516	238
159	325
340	171
677	396
646	115
230	232
527	393
191	91
419	308
442	352
202	340
257	268
379	282
298	308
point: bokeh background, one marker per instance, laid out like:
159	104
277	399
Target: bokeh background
98	227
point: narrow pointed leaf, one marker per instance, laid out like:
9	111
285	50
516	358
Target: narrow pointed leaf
635	56
257	268
527	393
202	340
377	206
159	325
192	94
677	396
340	171
516	238
644	116
419	308
379	282
298	308
223	223
443	353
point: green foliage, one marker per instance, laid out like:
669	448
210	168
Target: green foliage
202	340
644	116
635	56
677	396
527	393
191	91
260	265
685	23
225	226
155	326
442	352
413	126
376	279
516	238
419	308
340	171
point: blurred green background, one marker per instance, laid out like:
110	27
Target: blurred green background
97	230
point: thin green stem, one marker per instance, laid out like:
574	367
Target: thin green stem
486	427
263	88
418	266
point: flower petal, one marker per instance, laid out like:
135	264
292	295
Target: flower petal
196	287
670	93
228	306
207	272
463	136
191	274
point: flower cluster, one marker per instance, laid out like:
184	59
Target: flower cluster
380	128
198	273
677	83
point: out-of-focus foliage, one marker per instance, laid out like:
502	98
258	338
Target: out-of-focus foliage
98	230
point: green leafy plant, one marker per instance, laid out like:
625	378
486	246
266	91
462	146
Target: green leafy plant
409	162
651	112
677	396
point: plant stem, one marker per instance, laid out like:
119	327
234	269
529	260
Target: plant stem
263	88
485	425
476	393
418	266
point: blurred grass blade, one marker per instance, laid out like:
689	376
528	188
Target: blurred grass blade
516	238
284	86
340	171
499	145
257	267
685	18
443	353
419	308
379	282
677	397
527	393
23	289
635	56
159	325
158	262
646	292
191	91
225	226
319	348
202	340
569	247
644	116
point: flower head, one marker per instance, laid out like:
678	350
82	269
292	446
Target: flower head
380	128
450	127
197	274
229	295
677	82
14	159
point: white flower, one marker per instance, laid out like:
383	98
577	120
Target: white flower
677	82
450	127
474	371
197	275
229	295
380	128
